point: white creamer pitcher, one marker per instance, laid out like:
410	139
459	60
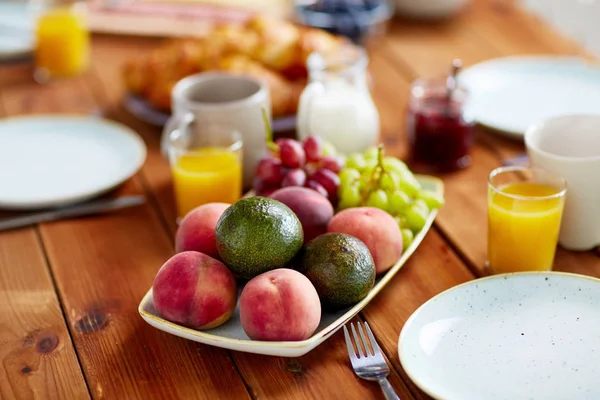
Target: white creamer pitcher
336	104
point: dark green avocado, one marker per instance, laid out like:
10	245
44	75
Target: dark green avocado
340	267
256	235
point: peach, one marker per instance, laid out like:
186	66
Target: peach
195	290
312	209
280	305
376	229
197	229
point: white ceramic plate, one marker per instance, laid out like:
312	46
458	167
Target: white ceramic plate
16	31
514	336
50	161
231	335
511	94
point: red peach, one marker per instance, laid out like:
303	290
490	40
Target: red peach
376	229
197	229
195	290
312	209
280	305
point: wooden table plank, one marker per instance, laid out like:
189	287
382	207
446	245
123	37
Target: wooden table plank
38	358
103	265
323	373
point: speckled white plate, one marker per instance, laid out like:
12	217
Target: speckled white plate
515	336
231	335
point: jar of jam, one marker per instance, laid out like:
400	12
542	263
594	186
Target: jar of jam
440	128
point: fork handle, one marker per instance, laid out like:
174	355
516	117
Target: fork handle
387	389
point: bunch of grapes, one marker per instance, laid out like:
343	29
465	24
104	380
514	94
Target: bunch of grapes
312	164
386	183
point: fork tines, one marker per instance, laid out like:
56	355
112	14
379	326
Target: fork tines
361	347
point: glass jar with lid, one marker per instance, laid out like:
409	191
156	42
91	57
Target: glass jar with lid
337	104
62	39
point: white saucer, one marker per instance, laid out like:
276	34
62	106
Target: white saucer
515	336
50	161
511	94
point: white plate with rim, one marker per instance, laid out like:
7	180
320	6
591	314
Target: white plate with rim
51	161
510	94
532	335
16	31
231	336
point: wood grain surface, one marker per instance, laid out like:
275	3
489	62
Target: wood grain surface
69	290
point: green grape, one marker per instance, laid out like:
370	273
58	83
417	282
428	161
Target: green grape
371	153
349	196
348	176
328	149
365	179
398	200
370	164
409	185
394	164
356	161
420	203
416	218
433	200
407	237
389	181
403	221
378	199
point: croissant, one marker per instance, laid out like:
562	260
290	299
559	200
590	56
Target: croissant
269	49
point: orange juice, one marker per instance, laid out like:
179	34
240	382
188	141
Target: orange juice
206	175
62	43
523	230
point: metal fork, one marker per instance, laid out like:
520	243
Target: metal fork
367	361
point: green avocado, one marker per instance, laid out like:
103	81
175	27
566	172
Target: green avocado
256	235
340	267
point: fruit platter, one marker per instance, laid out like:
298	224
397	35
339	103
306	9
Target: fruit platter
282	269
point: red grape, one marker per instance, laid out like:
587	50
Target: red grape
317	188
313	147
262	188
269	169
296	177
291	153
332	163
330	181
311	168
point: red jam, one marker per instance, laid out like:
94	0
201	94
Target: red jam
440	133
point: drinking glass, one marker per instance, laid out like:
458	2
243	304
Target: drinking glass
206	166
525	208
62	39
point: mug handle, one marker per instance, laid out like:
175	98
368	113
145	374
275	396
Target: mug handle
174	128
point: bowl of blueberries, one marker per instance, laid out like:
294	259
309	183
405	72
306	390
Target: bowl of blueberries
358	20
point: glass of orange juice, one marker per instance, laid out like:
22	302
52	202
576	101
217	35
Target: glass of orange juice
62	39
206	166
525	208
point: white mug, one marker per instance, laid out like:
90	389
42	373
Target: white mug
222	99
570	146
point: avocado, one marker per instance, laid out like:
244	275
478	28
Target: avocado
340	267
256	235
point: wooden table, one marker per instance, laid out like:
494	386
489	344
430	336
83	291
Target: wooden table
69	290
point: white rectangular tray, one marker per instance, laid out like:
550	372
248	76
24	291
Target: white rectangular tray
231	335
